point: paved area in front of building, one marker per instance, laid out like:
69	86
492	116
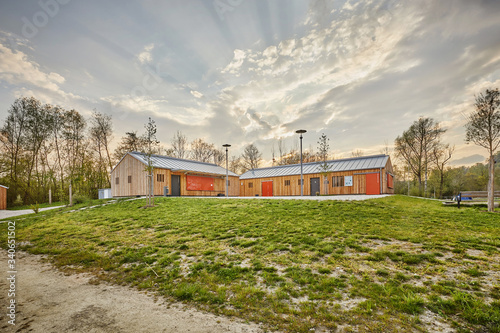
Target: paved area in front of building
356	197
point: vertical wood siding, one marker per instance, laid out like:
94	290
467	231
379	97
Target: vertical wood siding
130	166
3	198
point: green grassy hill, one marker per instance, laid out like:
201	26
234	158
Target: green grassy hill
392	264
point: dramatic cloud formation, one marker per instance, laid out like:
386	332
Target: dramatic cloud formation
255	71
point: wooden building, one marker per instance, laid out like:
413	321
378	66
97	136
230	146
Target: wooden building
181	177
3	197
359	175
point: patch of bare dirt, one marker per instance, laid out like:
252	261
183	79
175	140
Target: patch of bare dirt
49	301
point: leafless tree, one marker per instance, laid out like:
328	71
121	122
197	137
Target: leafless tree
415	147
101	134
483	129
441	155
179	145
357	153
251	157
202	151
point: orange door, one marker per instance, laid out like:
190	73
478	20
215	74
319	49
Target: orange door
267	189
372	183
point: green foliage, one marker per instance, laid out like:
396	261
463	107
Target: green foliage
80	198
35	208
18	201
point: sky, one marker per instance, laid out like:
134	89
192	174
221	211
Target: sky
242	71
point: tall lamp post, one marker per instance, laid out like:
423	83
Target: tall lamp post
227	171
301	172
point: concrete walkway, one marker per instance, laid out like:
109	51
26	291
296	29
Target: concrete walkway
357	197
4	214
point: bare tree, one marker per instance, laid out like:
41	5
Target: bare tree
251	157
415	147
179	145
150	139
219	156
357	153
235	164
101	133
441	155
102	127
483	129
202	151
323	152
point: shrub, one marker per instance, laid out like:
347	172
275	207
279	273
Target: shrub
80	198
18	201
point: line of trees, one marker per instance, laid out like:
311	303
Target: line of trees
423	157
47	147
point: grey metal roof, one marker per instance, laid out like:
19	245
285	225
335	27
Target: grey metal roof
177	164
347	164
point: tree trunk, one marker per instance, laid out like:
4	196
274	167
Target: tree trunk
491	184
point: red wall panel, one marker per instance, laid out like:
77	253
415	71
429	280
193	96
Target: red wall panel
197	183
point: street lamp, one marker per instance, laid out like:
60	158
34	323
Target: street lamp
227	171
301	172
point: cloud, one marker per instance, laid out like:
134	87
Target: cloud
17	69
145	56
196	94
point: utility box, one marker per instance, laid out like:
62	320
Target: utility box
105	193
165	191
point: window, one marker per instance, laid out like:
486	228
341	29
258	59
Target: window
228	182
129	179
250	185
298	182
160	178
337	181
390	181
287	182
117	180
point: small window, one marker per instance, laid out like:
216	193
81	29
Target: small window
337	181
129	179
228	182
117	181
287	182
298	182
250	185
160	178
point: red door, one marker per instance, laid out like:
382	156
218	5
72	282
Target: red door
267	189
372	183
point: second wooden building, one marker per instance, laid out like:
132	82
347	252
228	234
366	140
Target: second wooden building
360	175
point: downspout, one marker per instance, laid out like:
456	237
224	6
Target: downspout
381	182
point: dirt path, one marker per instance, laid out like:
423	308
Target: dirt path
49	301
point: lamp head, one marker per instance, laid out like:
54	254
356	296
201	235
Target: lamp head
300	131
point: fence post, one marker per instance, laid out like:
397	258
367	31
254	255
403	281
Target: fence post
50	196
70	196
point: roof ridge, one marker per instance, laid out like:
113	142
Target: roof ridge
319	162
175	158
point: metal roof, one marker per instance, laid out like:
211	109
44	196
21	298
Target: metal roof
347	164
177	164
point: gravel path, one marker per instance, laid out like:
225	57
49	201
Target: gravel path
49	301
4	214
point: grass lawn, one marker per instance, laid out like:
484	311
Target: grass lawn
391	264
